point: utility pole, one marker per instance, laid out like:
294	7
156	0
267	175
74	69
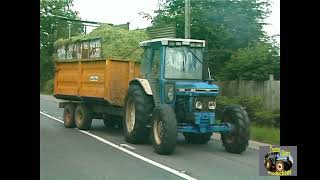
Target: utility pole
69	29
187	19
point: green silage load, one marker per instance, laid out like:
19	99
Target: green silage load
116	42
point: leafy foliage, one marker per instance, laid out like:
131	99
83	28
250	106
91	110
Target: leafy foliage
255	62
254	107
232	29
53	28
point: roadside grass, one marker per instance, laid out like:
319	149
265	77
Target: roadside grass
46	92
264	134
270	135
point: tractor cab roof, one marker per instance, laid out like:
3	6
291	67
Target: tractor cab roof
174	42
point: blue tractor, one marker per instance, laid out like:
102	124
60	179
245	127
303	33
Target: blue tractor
174	96
274	161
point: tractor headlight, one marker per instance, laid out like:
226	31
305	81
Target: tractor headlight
212	105
198	105
169	93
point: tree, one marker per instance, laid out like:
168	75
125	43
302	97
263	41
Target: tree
255	62
53	28
226	25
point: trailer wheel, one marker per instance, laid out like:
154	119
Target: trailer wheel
137	113
197	138
83	117
237	140
68	115
164	130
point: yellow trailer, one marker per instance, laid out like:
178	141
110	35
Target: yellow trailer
96	86
99	79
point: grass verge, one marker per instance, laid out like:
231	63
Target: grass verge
270	135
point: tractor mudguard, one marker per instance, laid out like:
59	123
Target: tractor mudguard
144	83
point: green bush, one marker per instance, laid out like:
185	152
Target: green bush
48	87
268	118
223	101
254	108
251	105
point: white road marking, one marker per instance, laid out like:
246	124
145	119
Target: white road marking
173	171
59	118
126	145
51	117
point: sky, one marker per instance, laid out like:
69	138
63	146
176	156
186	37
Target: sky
123	11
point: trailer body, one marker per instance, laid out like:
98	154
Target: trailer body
98	80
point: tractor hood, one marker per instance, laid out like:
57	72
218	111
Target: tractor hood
196	87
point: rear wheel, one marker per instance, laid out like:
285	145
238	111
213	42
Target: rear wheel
68	115
279	166
268	164
237	140
164	130
138	110
83	117
197	138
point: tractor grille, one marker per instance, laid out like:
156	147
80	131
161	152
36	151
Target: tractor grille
182	109
185	106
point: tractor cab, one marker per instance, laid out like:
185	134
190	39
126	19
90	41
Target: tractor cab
175	66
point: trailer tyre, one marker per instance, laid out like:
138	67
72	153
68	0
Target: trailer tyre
137	112
68	115
197	138
164	130
83	117
237	140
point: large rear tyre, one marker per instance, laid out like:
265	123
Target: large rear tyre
68	115
164	130
138	109
268	164
197	138
279	166
83	117
237	140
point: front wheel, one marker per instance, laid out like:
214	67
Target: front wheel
237	140
164	130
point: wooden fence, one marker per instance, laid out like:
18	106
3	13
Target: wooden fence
268	90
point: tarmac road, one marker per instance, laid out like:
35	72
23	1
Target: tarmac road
97	154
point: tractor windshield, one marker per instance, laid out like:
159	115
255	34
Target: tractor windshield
183	63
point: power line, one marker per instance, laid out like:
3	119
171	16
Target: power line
78	20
